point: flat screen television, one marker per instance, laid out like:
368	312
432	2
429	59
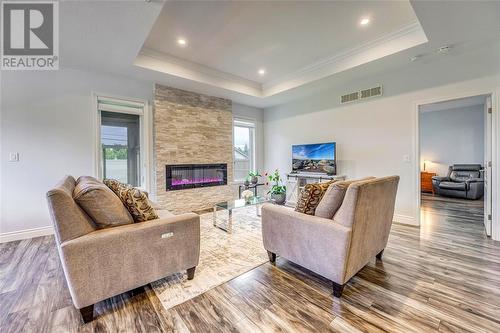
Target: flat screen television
316	157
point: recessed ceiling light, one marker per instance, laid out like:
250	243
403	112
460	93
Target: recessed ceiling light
415	58
444	49
364	21
182	41
262	71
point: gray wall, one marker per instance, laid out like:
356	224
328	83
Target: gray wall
373	137
452	136
46	116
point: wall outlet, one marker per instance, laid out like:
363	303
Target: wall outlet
406	158
13	157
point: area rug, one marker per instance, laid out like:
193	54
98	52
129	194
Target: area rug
223	257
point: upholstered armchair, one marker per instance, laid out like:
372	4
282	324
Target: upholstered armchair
101	263
463	181
340	247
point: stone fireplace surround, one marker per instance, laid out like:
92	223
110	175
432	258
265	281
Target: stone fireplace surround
191	128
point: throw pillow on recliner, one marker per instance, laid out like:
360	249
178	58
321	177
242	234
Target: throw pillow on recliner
135	200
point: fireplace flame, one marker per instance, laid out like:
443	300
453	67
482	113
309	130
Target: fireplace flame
195	181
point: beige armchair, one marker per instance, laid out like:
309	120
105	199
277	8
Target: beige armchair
336	249
101	263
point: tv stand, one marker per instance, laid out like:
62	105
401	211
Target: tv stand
295	182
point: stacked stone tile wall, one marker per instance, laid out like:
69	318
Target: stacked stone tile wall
191	128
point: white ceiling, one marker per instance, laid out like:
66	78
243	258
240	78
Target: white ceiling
109	36
295	42
283	37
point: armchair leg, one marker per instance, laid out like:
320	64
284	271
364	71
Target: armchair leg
272	257
337	289
87	313
379	255
190	272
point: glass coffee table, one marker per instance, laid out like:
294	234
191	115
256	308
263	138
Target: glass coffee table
235	204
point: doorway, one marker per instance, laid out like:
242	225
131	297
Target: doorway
455	153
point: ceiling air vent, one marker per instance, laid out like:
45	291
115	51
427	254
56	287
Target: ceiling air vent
362	94
349	97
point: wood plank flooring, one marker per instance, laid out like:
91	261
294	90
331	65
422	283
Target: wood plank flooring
443	277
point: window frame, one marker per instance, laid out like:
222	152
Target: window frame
143	110
252	125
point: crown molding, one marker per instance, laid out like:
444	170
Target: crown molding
168	64
396	41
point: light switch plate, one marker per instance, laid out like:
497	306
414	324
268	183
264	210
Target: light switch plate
406	158
13	157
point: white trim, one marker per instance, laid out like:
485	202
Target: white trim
405	219
251	124
495	137
24	234
145	123
495	170
137	103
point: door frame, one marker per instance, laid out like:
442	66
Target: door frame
146	138
495	158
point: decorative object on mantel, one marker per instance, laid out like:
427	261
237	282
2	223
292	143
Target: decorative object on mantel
254	176
247	195
278	190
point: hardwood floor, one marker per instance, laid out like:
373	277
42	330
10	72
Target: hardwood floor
443	277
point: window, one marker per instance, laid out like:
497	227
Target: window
244	148
122	152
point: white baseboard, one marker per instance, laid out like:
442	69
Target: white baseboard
405	219
23	234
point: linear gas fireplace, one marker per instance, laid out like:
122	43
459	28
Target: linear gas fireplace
183	176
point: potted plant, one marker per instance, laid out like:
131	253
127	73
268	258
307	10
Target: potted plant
254	176
278	190
246	182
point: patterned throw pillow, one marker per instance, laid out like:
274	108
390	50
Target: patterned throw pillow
114	185
139	206
311	196
135	200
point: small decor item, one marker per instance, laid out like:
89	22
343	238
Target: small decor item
246	182
278	190
254	176
247	195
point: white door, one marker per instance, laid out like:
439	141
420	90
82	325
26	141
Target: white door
487	166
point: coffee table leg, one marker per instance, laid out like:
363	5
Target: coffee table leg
230	221
215	216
